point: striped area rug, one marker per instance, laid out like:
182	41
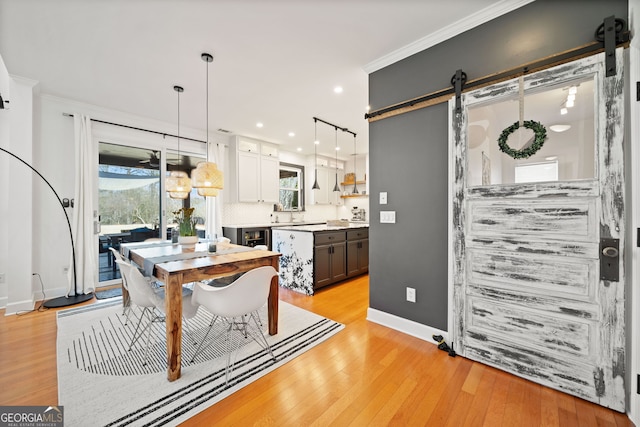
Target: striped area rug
101	382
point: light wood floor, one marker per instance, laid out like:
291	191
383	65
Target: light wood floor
366	375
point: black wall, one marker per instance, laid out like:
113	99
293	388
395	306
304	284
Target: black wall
409	152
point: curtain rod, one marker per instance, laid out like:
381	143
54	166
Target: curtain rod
164	134
315	119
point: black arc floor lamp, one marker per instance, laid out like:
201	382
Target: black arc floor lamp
60	301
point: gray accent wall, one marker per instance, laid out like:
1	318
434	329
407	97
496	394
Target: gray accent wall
409	152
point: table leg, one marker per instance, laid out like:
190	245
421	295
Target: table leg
272	302
173	319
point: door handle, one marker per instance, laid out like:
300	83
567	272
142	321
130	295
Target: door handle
609	259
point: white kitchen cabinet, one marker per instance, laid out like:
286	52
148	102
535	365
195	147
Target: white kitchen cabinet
254	171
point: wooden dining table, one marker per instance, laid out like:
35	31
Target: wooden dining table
229	259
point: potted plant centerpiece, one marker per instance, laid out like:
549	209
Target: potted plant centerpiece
186	226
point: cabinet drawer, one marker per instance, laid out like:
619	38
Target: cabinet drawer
247	146
358	234
328	238
268	150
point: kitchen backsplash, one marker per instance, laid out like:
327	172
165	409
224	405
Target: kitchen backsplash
260	213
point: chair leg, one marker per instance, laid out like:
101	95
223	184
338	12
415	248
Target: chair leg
213	321
265	344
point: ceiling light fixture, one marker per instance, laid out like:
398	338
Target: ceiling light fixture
315	153
563	111
291	134
259	124
355	175
338	89
560	128
206	177
336	187
178	184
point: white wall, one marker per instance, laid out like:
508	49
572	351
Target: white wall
4	180
44	137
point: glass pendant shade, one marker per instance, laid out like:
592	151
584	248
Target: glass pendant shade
207	175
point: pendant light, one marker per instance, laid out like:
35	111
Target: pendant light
336	187
206	177
178	184
315	153
355	175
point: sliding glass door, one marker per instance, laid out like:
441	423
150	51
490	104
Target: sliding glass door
131	199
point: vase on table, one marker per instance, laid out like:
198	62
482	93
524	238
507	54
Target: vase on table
187	240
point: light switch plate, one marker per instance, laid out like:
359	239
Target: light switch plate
383	197
388	217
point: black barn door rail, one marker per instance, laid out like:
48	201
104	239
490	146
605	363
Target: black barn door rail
612	33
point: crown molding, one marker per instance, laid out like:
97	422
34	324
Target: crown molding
485	15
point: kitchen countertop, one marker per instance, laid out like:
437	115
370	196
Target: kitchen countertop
322	227
272	224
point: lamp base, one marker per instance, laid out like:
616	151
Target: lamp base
67	301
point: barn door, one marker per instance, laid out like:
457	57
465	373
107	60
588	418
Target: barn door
538	231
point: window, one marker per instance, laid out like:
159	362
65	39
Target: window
291	187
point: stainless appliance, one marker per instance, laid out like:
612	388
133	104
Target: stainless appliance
358	214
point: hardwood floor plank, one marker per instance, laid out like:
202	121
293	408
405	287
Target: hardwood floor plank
366	374
479	405
549	408
498	401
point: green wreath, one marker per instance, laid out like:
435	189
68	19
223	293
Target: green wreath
540	135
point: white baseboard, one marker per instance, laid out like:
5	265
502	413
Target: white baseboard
16	307
406	326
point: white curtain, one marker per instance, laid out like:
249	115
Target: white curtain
86	245
214	204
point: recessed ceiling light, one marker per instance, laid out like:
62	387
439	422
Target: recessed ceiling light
292	134
299	149
337	148
316	142
563	111
560	128
259	124
338	89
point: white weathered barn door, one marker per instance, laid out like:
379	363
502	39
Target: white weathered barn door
533	293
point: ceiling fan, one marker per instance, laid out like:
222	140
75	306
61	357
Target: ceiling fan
153	160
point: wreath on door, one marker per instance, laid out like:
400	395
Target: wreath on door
540	135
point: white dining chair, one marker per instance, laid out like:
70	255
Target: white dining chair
235	305
151	302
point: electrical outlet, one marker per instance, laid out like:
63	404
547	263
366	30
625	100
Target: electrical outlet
411	294
1	277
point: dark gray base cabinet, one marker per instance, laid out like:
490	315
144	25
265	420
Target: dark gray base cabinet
329	258
338	255
357	256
